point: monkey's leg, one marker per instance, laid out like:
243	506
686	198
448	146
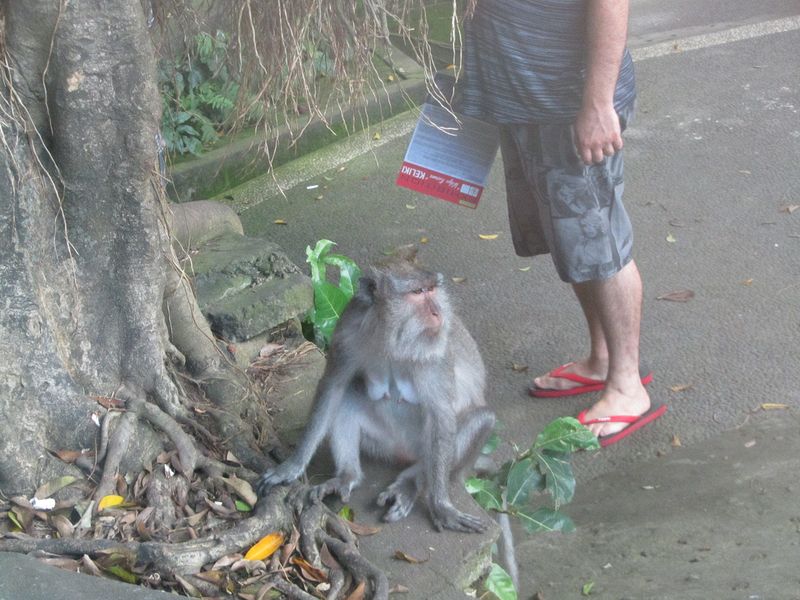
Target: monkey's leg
446	459
401	494
473	432
329	397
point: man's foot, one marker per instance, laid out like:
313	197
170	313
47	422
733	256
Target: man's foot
613	403
572	379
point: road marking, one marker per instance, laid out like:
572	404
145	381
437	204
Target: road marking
707	40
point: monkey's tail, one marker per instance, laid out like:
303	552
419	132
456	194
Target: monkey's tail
506	549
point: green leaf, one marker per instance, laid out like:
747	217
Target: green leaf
13	518
121	573
329	303
315	259
559	479
523	478
491	444
565	434
346	513
486	493
242	506
349	272
587	588
545	519
499	583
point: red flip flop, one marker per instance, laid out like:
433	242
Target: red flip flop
636	422
588	384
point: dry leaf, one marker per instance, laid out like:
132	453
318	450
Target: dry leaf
377	136
52	486
312	187
241	488
63	525
671	238
747	282
774	406
70	456
279	222
109	501
519	368
676	441
390	78
524	269
450	67
309	571
265	547
269	349
744	171
107	402
681	388
361	529
423	240
677	296
320	197
400	555
789	208
398	589
750	444
459	279
488	236
358	593
410	206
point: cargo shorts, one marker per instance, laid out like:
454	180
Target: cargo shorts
558	205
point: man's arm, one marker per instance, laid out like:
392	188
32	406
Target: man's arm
597	130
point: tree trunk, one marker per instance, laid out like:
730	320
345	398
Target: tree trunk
92	286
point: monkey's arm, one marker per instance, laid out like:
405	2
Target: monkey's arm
327	401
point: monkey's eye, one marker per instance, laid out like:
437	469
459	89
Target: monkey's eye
418	291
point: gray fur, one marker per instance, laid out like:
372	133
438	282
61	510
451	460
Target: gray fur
397	391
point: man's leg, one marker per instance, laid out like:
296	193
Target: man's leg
595	365
617	304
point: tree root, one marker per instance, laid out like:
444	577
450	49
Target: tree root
319	526
171	559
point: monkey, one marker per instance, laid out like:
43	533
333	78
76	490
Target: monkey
404	382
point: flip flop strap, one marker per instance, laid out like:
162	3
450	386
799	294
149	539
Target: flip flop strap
558	373
609	419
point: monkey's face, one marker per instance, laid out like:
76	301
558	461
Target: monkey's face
425	305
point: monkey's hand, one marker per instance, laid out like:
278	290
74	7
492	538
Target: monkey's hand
285	472
447	516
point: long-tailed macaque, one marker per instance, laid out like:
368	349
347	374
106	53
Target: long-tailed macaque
404	382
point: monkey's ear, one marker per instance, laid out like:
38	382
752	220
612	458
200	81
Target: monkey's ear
366	289
407	253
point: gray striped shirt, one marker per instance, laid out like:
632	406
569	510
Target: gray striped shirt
525	62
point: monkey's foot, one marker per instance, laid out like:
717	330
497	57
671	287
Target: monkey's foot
399	501
341	486
451	518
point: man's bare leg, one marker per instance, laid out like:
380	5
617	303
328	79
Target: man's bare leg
613	313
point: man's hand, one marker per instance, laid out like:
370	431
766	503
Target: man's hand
597	133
